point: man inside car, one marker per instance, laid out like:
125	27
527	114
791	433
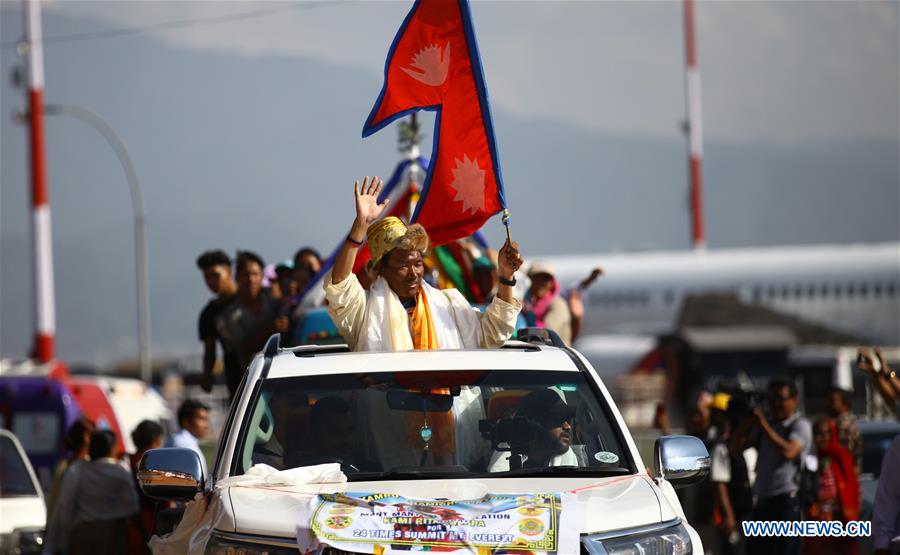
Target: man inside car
551	444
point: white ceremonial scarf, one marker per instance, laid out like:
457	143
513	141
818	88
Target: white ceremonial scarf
386	323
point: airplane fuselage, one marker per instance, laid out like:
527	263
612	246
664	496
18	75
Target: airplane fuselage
850	288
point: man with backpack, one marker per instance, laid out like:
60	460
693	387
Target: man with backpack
783	440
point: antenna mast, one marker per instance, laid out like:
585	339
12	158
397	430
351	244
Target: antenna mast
42	241
694	129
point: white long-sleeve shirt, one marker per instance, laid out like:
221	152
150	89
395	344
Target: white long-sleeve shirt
364	318
886	514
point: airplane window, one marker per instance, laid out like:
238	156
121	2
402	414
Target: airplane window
811	291
837	290
891	289
785	291
863	290
824	292
798	291
757	293
851	290
876	290
772	291
668	297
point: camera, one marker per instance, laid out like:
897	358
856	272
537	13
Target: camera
510	434
862	359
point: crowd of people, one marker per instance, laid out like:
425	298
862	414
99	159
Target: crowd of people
770	463
252	300
95	505
248	306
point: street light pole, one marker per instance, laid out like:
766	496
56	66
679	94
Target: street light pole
140	238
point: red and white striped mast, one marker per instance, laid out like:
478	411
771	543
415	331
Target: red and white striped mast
45	308
694	129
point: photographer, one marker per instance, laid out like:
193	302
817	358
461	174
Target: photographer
552	439
783	442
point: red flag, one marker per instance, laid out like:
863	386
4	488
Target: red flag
433	64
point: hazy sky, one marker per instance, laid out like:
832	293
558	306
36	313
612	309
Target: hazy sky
783	71
243	120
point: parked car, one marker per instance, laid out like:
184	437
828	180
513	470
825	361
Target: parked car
120	404
39	403
436	425
39	410
22	511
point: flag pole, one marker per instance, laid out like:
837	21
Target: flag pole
505	217
412	176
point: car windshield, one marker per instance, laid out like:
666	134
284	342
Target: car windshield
447	423
14	478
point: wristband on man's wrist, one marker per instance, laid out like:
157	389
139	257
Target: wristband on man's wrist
353	241
510	282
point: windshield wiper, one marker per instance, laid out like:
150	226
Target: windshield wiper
439	473
407	474
566	471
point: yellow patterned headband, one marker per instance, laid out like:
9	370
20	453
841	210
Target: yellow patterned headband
389	233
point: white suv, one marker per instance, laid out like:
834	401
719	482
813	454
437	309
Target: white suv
436	425
22	511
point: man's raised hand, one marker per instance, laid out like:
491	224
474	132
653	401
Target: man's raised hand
508	259
367	207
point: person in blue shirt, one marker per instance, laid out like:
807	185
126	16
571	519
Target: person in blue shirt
193	418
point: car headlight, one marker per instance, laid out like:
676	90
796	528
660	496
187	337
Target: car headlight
222	543
23	541
666	539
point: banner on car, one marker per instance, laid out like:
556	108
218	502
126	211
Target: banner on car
384	523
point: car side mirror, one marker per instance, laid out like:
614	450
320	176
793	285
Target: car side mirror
680	460
170	474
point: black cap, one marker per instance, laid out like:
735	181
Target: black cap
545	404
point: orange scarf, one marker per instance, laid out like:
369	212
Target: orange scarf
424	334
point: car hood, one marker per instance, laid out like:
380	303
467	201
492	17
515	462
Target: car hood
605	503
21	512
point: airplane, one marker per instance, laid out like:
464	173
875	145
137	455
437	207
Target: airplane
853	288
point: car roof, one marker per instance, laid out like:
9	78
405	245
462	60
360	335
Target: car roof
878	426
317	360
